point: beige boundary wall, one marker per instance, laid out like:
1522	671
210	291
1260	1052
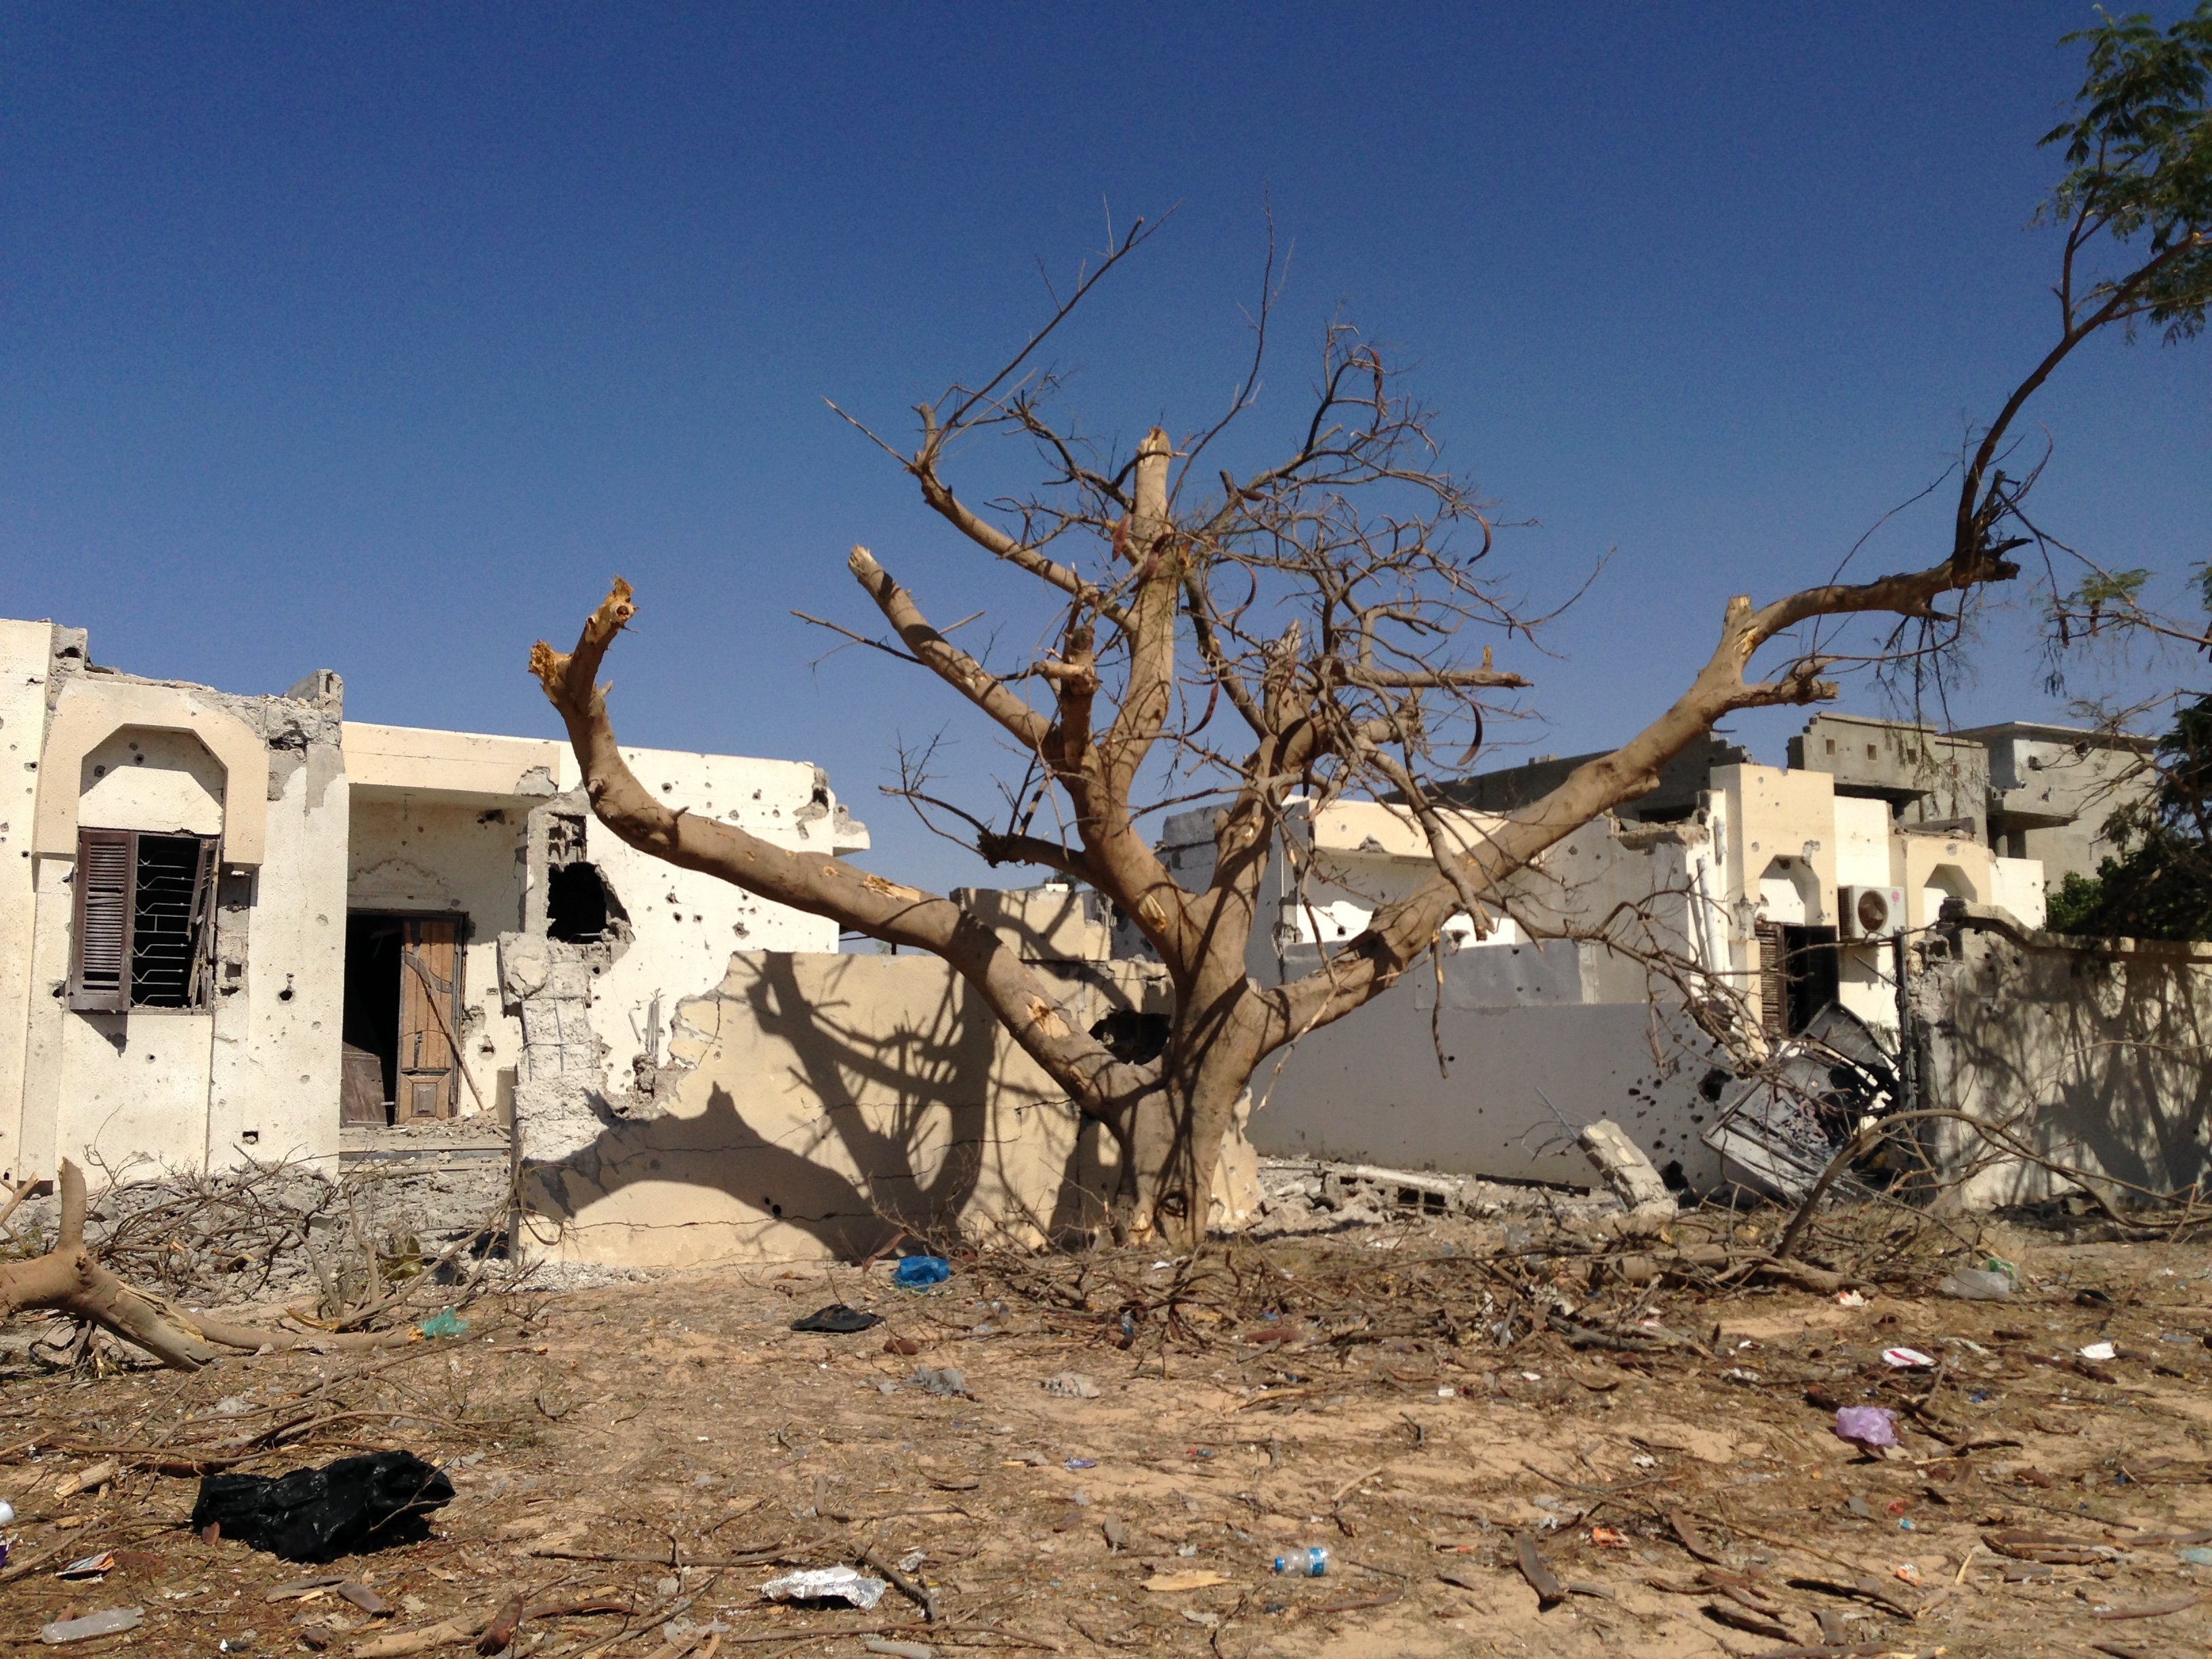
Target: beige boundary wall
2096	1054
824	1102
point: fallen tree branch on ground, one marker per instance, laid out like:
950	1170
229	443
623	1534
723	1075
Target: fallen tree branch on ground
68	1279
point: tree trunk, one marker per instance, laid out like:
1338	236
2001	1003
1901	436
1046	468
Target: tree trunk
1173	1144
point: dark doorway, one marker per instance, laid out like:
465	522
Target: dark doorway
403	1007
372	994
1812	974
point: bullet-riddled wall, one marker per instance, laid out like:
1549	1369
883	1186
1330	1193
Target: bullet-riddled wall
816	1104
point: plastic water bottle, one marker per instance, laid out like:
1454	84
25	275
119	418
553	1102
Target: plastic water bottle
1309	1563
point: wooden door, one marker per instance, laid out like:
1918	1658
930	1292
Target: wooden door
429	1010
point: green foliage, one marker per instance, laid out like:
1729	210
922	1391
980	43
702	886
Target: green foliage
2139	154
2160	885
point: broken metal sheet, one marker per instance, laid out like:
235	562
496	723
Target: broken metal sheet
1782	1126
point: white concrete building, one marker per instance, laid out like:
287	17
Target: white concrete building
1756	882
221	916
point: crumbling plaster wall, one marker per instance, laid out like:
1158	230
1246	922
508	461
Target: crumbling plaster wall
243	1078
821	1102
596	1024
684	923
2098	1055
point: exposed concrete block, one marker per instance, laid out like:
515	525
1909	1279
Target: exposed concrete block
1621	1164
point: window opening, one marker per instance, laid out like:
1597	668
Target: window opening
1132	1038
165	922
144	921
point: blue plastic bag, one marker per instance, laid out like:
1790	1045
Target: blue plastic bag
444	1322
915	1272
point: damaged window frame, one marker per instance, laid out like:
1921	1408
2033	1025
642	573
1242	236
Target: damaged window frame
113	969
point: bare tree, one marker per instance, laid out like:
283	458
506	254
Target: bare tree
1305	628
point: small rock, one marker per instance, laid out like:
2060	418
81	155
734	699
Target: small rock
1071	1385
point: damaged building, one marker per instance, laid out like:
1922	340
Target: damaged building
238	926
1790	886
244	929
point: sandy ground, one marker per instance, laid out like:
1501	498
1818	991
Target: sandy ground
602	1440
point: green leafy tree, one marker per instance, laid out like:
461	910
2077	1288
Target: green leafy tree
2159	885
2140	154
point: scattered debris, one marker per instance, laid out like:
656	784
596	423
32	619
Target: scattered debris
846	1584
1309	1562
1171	1583
837	1320
916	1273
112	1622
947	1380
1869	1427
354	1504
1400	1384
1626	1171
1784	1126
1976	1285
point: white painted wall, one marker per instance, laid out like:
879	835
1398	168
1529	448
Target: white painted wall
687	924
25	648
134	1090
2019	885
255	1076
273	1082
143	778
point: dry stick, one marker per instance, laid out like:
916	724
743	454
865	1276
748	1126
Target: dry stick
253	1340
22	1191
1852	1148
430	996
1549	1591
924	1598
641	1557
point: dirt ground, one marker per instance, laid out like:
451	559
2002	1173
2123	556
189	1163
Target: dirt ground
1403	1395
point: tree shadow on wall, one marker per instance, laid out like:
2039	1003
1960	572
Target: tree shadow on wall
856	1129
2103	1063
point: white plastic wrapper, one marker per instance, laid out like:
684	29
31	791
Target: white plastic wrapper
827	1585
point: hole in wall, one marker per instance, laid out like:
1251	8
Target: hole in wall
576	904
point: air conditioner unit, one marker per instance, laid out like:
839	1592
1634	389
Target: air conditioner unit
1869	912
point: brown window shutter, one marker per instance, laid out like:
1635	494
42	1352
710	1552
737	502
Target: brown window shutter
198	995
99	972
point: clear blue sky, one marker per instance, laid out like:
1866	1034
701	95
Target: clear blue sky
379	338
